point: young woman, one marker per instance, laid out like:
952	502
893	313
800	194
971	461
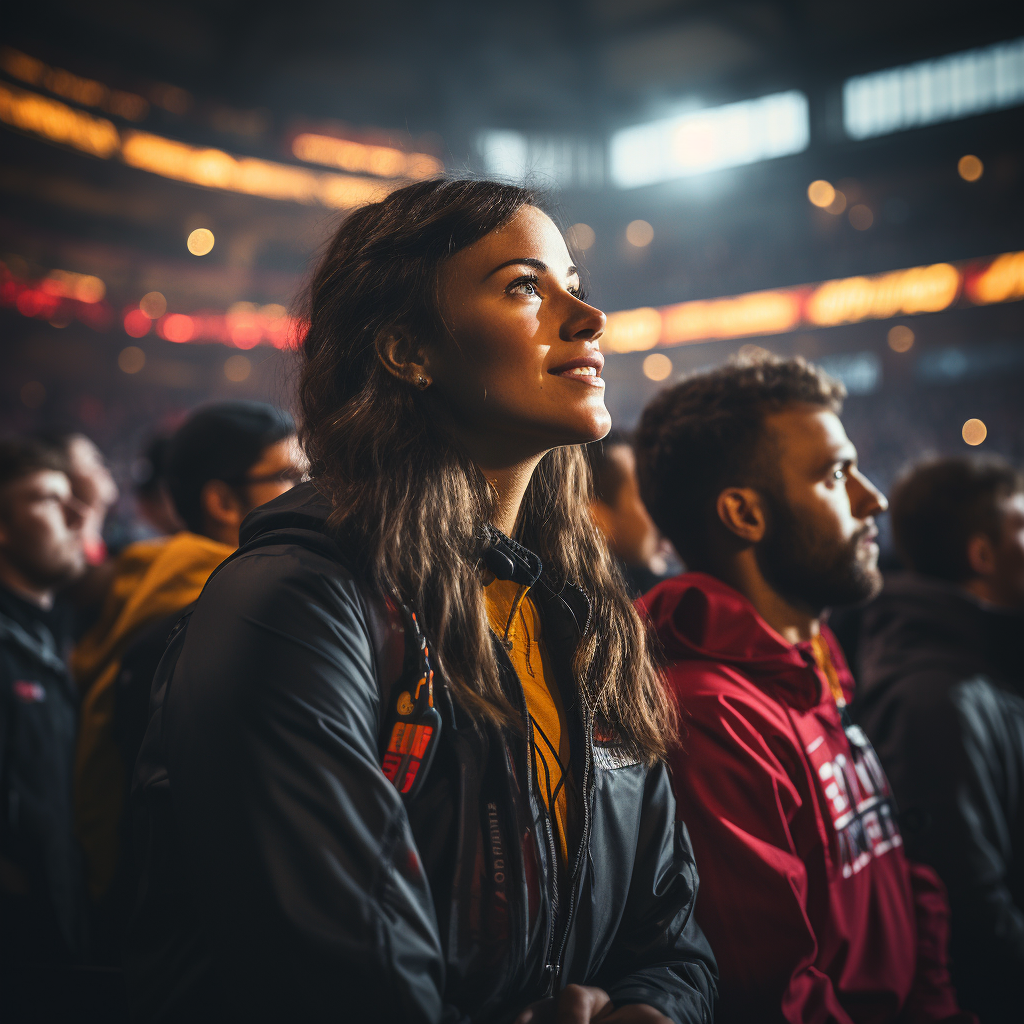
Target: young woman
405	763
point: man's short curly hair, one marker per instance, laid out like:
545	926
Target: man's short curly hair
707	433
940	504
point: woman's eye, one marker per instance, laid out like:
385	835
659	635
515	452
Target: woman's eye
525	286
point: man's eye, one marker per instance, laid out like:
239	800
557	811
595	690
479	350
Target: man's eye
840	474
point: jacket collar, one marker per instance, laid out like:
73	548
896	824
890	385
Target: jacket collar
699	618
509	560
42	648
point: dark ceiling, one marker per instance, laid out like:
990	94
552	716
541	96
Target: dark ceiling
433	76
454	67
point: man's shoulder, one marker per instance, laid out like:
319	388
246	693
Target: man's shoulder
709	689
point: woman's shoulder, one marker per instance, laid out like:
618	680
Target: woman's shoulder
285	593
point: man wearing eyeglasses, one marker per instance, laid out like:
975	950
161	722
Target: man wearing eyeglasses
41	549
223	462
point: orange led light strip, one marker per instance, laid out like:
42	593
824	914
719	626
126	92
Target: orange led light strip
211	168
843	301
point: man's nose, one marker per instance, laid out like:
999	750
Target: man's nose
75	511
868	500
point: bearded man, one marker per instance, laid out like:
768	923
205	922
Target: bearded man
811	905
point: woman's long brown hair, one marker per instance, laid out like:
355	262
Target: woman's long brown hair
409	506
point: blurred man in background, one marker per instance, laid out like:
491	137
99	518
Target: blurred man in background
809	902
943	701
620	514
41	526
91	483
152	498
225	460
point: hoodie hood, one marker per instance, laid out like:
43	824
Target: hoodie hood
300	516
152	579
919	624
698	618
301	508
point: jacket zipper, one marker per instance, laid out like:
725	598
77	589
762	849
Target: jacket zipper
588	719
531	768
556	967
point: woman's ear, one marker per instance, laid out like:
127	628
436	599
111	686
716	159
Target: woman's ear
404	358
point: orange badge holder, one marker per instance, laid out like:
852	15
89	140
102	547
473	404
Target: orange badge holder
413	725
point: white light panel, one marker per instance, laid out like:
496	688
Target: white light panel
710	140
930	91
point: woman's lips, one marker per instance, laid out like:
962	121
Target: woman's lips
587	370
584	374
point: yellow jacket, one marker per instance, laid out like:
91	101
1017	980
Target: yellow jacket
152	580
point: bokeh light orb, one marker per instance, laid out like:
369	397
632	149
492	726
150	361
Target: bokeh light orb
657	366
639	233
974	432
901	338
237	368
131	359
178	328
200	241
582	236
970	168
136	323
153	304
821	193
861	217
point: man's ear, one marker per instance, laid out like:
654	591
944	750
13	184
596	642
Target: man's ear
603	517
981	555
220	504
402	356
742	513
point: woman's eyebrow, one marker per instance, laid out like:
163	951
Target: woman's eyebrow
526	261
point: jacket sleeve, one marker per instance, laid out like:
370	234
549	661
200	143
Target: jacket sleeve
955	779
660	956
316	900
932	998
737	792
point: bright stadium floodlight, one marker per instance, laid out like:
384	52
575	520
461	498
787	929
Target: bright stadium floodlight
569	161
931	91
710	140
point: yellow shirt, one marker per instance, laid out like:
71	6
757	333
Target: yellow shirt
823	657
514	620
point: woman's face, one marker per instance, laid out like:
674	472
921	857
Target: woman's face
520	372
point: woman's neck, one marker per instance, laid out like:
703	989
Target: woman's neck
509	483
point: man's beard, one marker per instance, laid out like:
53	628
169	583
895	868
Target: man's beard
810	569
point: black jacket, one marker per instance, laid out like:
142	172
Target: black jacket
40	868
284	877
942	700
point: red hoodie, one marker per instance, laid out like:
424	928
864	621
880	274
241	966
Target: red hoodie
812	909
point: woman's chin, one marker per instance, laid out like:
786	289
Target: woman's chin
588	428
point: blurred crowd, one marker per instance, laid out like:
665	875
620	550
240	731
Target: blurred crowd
937	682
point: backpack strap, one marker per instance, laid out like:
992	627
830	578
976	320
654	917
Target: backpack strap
410	724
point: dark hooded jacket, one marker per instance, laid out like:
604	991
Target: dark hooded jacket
942	699
814	911
283	877
40	865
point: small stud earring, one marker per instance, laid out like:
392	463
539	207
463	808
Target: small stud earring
422	383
